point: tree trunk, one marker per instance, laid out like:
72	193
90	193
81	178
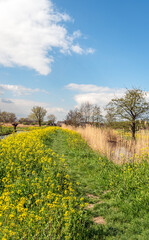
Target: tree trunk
39	122
133	128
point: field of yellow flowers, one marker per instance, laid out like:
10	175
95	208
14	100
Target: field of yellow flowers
54	186
37	199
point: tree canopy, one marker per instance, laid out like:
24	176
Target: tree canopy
132	106
7	117
38	113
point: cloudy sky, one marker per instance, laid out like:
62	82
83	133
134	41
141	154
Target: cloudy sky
61	53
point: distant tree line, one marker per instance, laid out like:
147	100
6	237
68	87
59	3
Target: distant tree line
129	112
87	113
35	117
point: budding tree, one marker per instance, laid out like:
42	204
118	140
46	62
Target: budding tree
7	117
51	119
131	107
38	113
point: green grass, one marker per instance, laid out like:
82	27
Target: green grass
5	130
122	190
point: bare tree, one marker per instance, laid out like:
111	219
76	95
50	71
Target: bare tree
132	106
86	111
96	114
74	117
38	113
51	119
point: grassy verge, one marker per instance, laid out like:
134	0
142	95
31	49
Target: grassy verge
5	130
118	194
48	175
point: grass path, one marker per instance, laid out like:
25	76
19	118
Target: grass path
117	195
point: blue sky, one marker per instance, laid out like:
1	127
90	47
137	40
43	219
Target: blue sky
59	54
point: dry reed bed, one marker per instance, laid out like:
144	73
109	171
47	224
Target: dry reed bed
117	146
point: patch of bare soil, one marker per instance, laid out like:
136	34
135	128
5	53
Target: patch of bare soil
89	206
92	196
100	202
99	220
105	192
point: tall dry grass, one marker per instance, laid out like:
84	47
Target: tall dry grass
116	146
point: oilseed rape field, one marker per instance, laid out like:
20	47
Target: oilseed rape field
37	198
54	186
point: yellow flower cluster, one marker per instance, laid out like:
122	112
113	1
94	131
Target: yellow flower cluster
75	141
132	177
37	199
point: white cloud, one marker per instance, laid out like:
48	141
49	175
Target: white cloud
77	49
55	110
101	98
90	51
87	88
22	108
19	106
19	90
77	34
94	94
29	30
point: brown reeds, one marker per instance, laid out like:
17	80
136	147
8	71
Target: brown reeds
116	146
